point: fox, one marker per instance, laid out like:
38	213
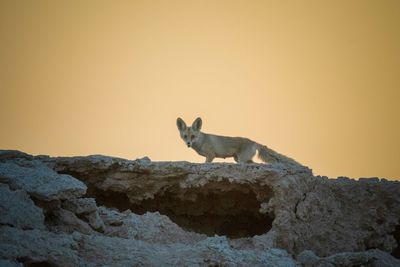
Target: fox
213	146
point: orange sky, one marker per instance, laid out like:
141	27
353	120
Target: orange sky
318	81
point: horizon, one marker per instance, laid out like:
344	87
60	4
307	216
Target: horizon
315	81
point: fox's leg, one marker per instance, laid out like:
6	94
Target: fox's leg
245	160
246	155
209	159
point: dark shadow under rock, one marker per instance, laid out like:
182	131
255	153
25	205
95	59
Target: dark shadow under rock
216	208
396	235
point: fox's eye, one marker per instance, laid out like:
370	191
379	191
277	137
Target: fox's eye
185	136
192	136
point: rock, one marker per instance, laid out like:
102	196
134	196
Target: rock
371	258
95	221
68	222
308	258
184	214
7	263
292	208
42	247
80	205
209	252
151	227
37	246
144	160
14	154
18	210
339	216
38	180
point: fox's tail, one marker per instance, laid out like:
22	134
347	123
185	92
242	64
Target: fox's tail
268	155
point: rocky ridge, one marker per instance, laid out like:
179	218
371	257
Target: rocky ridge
104	211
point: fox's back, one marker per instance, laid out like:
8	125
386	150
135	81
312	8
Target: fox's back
226	146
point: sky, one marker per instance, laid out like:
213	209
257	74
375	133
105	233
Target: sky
318	81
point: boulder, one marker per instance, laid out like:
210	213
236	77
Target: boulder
371	258
80	205
18	210
38	180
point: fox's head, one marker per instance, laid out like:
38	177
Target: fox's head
191	134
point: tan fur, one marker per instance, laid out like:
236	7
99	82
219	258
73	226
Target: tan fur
215	146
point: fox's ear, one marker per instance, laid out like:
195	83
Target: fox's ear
181	124
197	124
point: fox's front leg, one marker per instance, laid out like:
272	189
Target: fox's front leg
209	159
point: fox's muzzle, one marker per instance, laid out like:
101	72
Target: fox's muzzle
188	144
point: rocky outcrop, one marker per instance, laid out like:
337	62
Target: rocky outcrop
18	210
97	210
373	257
34	177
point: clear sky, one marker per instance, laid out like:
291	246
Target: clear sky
318	81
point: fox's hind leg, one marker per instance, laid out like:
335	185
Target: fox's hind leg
209	159
246	155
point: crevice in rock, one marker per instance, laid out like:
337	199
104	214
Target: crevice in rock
8	225
109	199
396	234
48	208
31	263
217	208
40	264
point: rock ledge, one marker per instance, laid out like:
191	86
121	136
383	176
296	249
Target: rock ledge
98	210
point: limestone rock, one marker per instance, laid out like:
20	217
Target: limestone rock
42	247
286	206
151	227
184	214
37	246
14	154
68	222
38	180
371	258
209	252
95	221
80	205
7	263
18	210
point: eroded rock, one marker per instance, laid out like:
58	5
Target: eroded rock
38	246
222	199
18	210
80	205
369	258
284	206
38	180
183	214
151	226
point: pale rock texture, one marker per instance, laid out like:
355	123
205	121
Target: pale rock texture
372	258
103	211
18	210
80	205
324	215
38	180
7	263
158	228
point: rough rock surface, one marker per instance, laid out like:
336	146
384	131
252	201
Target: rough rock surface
103	211
373	258
35	178
18	210
286	207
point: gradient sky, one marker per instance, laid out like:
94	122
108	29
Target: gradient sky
318	81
